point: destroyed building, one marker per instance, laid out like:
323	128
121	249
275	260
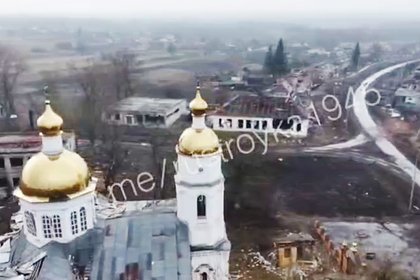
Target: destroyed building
146	112
15	150
255	113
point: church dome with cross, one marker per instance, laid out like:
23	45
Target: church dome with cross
54	172
198	139
56	191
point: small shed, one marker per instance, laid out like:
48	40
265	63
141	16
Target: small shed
293	248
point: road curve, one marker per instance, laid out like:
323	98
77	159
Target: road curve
360	109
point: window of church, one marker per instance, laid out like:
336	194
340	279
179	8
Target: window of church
56	221
201	206
204	276
46	226
74	224
30	223
83	221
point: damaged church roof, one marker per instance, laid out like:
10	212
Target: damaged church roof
144	245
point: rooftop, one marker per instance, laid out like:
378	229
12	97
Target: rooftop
156	106
407	92
295	238
254	106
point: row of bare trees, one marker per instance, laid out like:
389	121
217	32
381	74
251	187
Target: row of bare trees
100	83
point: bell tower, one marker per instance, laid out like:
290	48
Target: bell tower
200	195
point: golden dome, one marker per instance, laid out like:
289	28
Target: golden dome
49	123
198	104
198	142
54	177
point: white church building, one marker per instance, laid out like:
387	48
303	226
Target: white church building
64	237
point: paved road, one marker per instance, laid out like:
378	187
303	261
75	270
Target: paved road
361	111
354	142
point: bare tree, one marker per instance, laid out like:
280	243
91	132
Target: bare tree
123	65
11	67
103	83
93	81
113	152
377	52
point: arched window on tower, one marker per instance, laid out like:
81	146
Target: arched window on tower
204	276
46	226
30	223
201	207
56	222
83	221
74	224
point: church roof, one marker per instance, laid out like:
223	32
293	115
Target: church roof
151	245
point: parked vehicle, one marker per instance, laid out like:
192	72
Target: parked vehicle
393	113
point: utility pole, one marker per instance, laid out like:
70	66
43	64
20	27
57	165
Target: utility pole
413	182
413	185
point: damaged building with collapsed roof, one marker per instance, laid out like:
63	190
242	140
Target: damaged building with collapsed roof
146	112
68	231
15	150
255	113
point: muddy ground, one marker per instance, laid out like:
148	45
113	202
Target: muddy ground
258	188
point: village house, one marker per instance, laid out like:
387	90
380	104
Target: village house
407	99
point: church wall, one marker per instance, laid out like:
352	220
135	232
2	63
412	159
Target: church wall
214	263
63	210
199	169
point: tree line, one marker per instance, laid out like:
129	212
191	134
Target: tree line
276	63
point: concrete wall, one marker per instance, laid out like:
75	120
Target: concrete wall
341	253
242	124
63	210
258	125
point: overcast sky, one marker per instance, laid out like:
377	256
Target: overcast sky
235	9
